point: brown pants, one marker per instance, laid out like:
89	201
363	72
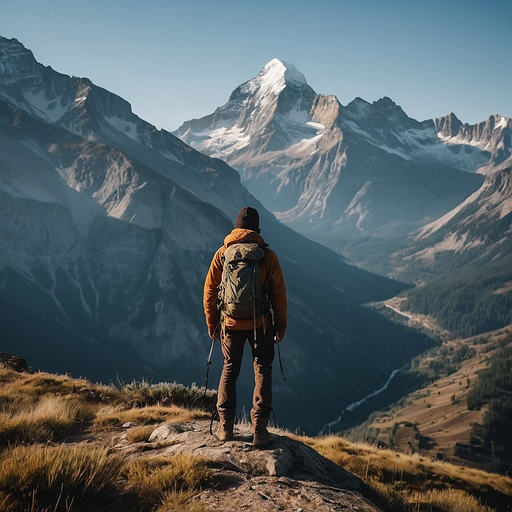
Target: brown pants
263	354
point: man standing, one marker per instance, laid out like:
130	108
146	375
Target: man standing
264	327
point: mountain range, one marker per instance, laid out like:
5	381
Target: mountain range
343	175
108	226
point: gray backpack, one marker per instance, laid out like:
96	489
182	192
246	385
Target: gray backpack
241	295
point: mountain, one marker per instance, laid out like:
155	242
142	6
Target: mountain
339	173
479	229
108	226
464	260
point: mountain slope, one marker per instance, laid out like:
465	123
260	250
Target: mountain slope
107	231
464	260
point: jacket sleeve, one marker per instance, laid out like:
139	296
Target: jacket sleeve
277	291
210	295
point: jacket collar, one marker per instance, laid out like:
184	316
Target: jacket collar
239	235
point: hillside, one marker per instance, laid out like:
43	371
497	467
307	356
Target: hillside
68	444
438	420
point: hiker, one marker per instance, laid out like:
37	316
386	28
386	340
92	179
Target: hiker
262	327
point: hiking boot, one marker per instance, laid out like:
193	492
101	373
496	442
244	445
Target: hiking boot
261	438
225	432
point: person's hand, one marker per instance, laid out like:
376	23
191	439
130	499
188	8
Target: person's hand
279	332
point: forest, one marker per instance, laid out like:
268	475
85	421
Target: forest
493	390
470	301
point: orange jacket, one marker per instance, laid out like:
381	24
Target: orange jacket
270	274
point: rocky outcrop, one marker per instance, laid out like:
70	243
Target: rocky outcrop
285	475
13	362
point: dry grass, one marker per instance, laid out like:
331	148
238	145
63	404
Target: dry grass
36	423
143	394
42	478
34	477
41	419
146	416
412	482
139	434
181	503
167	483
453	500
29	386
37	477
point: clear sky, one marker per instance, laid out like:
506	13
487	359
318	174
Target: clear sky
178	60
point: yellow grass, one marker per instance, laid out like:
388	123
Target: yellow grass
168	482
452	500
41	420
41	407
31	385
181	502
146	415
412	479
52	474
139	434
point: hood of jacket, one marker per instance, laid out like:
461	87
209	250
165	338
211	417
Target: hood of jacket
240	235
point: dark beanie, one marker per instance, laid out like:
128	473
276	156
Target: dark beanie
248	218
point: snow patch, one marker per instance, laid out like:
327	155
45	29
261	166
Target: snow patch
273	78
51	110
129	128
224	140
316	126
501	123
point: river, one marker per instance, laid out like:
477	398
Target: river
329	426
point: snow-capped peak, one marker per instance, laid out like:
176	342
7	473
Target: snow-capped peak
274	77
276	68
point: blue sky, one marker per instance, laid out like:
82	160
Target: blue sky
177	60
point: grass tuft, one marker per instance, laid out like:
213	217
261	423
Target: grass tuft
42	420
56	476
144	394
139	434
165	482
146	416
449	500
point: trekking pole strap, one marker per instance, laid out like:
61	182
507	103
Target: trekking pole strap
254	277
208	364
280	362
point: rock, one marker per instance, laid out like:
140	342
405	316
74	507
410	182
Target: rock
163	432
129	424
13	362
285	475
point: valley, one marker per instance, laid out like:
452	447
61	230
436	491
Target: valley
435	420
